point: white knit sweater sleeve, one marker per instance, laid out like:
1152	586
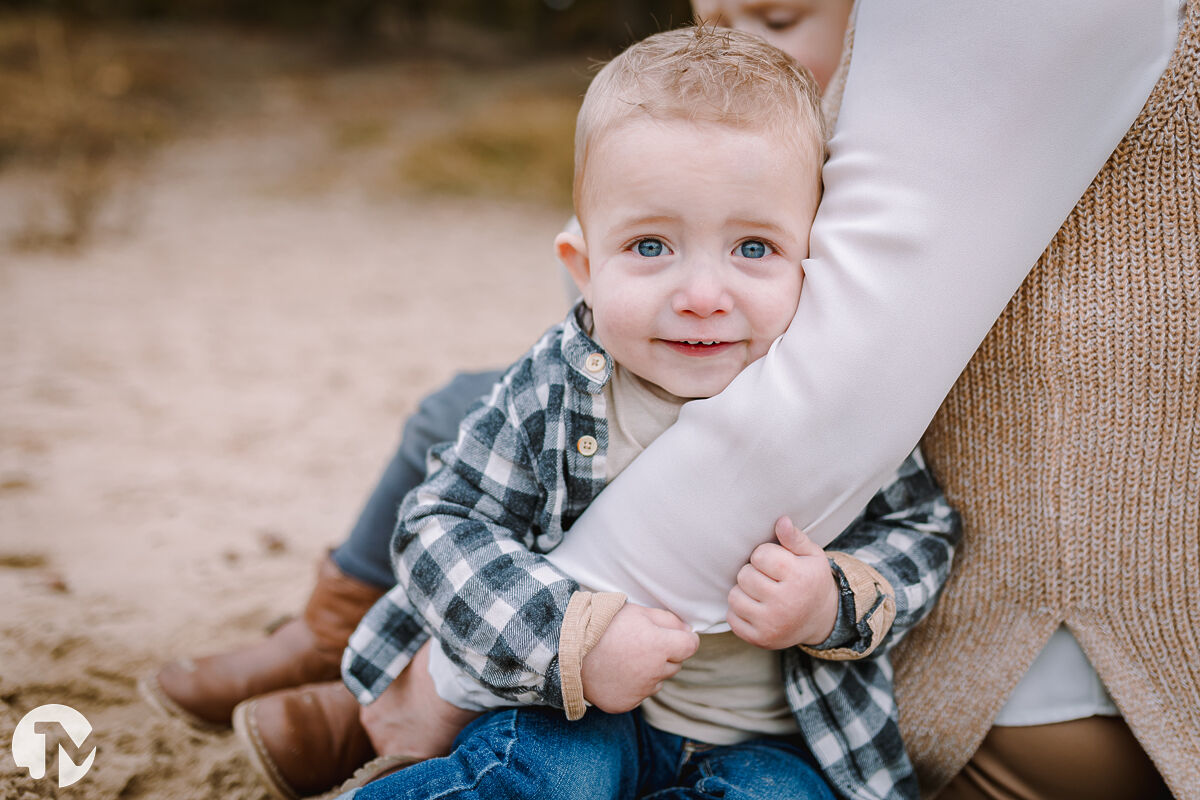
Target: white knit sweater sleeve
967	133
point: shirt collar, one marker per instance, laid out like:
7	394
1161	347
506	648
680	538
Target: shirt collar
580	351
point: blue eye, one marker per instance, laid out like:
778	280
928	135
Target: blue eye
650	248
752	249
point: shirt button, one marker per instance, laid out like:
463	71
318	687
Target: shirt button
595	363
587	445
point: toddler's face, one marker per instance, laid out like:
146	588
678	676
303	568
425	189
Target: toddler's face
693	238
810	31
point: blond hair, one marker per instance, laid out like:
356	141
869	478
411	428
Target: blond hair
703	74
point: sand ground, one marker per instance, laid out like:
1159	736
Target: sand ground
194	405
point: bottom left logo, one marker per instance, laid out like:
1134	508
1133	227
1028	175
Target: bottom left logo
30	741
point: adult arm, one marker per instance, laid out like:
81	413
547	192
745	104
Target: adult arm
966	135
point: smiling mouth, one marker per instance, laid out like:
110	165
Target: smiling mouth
698	347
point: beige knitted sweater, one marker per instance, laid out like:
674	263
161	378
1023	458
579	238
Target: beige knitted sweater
1071	444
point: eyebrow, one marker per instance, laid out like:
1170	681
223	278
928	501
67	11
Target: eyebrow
648	219
769	227
660	219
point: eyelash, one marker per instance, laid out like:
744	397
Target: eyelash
633	246
771	248
780	24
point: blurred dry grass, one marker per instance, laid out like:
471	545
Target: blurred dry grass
82	106
518	147
76	105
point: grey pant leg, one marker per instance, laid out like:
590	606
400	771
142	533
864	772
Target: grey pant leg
365	554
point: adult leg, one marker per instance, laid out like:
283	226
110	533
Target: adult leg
1095	758
760	769
308	650
525	753
307	738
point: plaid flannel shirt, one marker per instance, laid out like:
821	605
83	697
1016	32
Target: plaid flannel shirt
467	554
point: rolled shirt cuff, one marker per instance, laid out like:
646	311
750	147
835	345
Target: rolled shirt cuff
874	610
587	618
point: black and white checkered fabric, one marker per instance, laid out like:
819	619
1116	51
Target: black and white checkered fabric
467	554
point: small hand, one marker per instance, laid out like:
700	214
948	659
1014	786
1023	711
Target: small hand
786	594
641	648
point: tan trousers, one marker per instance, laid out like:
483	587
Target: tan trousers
1088	759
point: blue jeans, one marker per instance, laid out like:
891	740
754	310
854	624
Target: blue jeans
366	553
536	753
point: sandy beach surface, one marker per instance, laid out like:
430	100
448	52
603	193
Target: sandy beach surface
194	404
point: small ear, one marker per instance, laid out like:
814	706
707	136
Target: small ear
572	252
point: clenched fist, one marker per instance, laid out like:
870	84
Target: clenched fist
786	595
641	648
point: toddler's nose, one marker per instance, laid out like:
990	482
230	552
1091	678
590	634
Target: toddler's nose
702	292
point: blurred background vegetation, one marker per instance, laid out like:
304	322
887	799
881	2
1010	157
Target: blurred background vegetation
564	25
452	96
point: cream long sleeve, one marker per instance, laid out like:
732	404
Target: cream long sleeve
967	133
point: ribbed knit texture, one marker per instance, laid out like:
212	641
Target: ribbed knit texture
587	618
831	98
1070	445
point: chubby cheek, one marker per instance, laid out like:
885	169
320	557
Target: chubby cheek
621	321
773	318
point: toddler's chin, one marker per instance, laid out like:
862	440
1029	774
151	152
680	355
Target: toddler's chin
698	388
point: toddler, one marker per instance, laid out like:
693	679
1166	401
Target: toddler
698	156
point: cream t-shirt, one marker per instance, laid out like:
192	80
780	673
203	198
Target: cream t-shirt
729	691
